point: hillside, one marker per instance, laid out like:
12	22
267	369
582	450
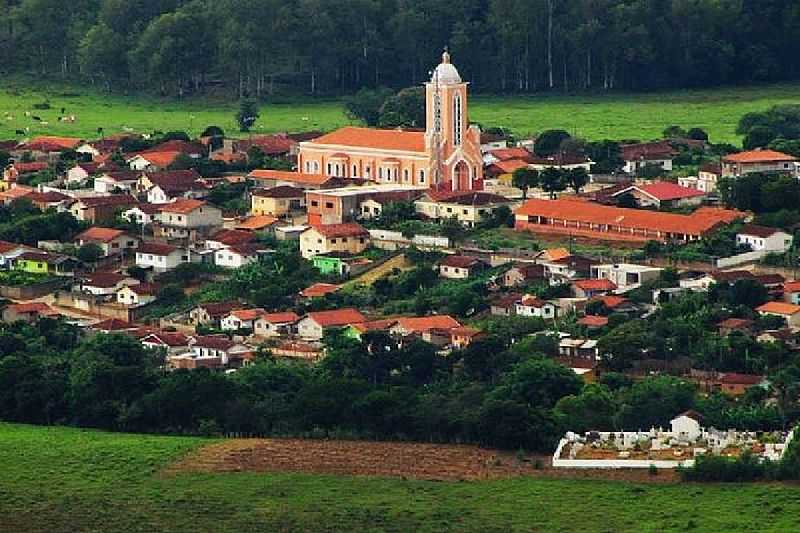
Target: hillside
614	116
55	479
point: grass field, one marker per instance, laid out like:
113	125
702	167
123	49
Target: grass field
68	480
615	116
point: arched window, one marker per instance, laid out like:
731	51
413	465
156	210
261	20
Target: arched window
355	171
457	124
405	175
422	176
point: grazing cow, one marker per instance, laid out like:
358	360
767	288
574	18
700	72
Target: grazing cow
38	119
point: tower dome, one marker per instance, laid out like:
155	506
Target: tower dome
446	72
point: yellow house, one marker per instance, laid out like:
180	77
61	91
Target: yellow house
277	201
349	238
469	207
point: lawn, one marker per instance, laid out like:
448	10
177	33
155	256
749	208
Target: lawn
614	116
69	480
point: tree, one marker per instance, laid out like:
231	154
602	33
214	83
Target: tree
577	178
591	410
672	132
102	54
552	181
406	108
366	105
247	114
525	178
653	402
89	252
697	134
549	142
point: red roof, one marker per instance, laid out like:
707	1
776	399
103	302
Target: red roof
733	378
337	317
182	206
34	166
159	159
759	156
779	308
155	248
460	261
113	324
145	289
426	323
231	237
281	191
177	145
166	338
648	151
406	141
112	200
47	143
318	289
532	301
592	321
791	286
32	308
508	154
612	302
215	342
248	314
698	223
348	229
291	177
100	234
280	318
758	231
510	165
276	144
595	284
664	191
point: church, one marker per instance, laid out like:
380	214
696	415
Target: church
445	157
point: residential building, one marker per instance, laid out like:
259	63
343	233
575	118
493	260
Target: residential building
27	312
319	290
446	156
160	257
153	161
764	239
116	181
506	304
111	241
663	194
787	311
626	276
589	288
173	343
218	347
344	204
143	214
534	307
38	262
522	274
104	283
188	219
81	172
349	238
211	314
637	157
566	269
138	295
101	209
257	224
460	266
338	263
468	207
706	180
762	160
49	200
268	179
277	201
164	187
314	325
238	255
463	336
241	319
791	292
372	206
586	219
274	324
417	325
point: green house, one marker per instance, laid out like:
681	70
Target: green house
332	264
33	263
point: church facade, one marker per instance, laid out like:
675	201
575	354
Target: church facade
446	156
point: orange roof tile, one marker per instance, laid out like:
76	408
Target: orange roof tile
592	321
405	141
759	156
183	205
348	229
595	284
160	159
779	308
292	177
698	223
256	222
791	286
664	191
318	289
100	234
425	323
279	318
248	314
337	317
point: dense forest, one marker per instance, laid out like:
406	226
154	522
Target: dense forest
256	47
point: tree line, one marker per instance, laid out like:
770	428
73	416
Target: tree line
254	47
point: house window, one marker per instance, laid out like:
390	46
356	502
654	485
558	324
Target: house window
333	241
355	171
405	175
422	176
314	203
328	205
330	169
344	239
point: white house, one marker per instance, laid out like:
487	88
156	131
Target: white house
81	172
241	319
172	342
274	324
160	257
188	219
625	275
142	214
219	347
313	325
460	266
532	306
104	283
237	256
110	182
111	241
761	238
137	295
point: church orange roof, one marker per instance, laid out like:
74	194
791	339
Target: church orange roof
406	141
